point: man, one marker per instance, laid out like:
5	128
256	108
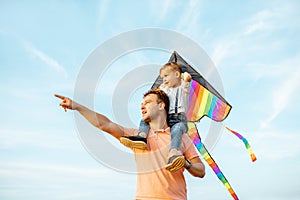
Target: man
154	181
177	86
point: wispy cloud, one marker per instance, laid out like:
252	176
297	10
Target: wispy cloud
254	27
46	140
282	75
166	7
275	144
258	22
230	44
44	180
190	19
45	58
283	17
35	180
102	11
221	51
285	90
30	170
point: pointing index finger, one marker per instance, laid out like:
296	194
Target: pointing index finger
59	96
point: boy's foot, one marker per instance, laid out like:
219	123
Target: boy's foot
176	161
134	142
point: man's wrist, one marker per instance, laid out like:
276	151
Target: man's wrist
188	164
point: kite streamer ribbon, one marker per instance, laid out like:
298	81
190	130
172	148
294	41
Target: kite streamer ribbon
193	134
247	145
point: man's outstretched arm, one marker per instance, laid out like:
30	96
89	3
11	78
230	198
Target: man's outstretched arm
96	119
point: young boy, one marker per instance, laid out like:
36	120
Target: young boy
177	89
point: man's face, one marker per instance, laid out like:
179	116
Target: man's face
170	77
150	107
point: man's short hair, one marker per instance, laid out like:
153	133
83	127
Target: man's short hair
173	65
161	97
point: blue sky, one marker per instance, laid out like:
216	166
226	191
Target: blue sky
255	48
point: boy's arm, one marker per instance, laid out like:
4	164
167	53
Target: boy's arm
98	120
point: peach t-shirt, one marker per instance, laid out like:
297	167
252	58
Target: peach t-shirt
153	180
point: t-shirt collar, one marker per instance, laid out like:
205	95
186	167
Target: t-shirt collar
163	130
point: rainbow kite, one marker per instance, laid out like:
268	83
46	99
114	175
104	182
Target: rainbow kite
204	100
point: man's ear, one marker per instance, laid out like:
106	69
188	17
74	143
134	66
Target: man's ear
162	106
178	74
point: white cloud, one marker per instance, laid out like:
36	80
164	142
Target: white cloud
278	17
45	58
274	144
34	180
221	51
39	170
46	139
232	43
103	8
37	180
258	22
285	90
190	19
254	27
166	7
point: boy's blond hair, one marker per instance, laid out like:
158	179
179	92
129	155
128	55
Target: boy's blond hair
173	66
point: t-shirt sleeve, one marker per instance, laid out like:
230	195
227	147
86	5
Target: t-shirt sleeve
188	148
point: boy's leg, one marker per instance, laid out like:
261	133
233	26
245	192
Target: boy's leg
175	159
139	141
176	135
144	129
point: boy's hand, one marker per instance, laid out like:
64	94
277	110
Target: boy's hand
187	77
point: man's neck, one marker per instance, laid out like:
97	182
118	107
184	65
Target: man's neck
158	124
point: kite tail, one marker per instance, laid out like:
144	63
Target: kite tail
252	155
193	133
213	165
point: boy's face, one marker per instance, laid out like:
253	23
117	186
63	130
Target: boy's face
170	77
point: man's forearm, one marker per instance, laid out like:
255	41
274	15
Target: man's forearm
90	115
195	167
